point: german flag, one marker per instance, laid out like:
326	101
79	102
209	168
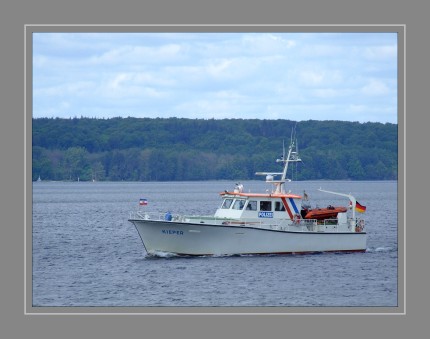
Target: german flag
360	208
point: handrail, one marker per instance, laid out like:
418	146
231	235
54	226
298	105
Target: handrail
308	225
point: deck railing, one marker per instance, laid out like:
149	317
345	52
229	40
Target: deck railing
304	225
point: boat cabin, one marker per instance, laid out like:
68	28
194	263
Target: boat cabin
279	204
238	205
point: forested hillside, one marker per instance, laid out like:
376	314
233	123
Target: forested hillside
195	149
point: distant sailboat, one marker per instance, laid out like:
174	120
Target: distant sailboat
38	179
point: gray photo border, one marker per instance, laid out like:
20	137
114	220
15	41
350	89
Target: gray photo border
15	16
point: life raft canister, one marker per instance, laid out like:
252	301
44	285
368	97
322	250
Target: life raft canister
360	226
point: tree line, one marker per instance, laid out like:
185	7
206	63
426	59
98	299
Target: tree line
145	149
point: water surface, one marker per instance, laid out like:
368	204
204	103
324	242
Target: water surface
86	253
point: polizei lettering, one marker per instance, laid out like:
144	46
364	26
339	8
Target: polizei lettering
265	214
172	232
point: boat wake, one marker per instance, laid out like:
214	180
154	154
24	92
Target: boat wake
160	254
381	249
169	255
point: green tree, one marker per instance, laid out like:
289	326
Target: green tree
199	149
42	166
76	164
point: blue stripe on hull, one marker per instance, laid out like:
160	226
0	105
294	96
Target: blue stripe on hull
294	205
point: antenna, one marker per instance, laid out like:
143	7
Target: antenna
292	156
292	133
283	149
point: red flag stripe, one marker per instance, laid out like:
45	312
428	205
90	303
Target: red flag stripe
360	207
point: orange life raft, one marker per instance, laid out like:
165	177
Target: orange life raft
324	213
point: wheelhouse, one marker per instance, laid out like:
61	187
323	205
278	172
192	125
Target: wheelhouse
248	205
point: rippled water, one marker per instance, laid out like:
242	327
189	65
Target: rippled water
86	253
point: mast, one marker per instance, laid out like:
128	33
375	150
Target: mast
292	156
286	161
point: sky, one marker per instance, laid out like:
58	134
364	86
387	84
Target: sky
294	76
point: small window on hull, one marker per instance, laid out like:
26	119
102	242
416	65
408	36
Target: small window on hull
265	205
279	206
252	205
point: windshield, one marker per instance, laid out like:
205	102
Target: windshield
227	203
239	204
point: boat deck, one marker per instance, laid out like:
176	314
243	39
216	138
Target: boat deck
285	225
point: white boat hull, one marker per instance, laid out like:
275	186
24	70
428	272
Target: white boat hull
204	239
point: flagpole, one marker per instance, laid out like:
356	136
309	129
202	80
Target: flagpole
351	198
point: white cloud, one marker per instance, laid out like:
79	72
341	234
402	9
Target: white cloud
231	69
219	68
78	88
311	78
124	79
205	108
249	75
116	82
266	43
375	87
381	52
323	76
229	95
357	108
65	105
327	93
324	51
139	54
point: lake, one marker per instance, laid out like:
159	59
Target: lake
86	253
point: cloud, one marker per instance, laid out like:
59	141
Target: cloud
266	43
323	76
231	69
77	88
138	54
248	75
327	93
311	78
375	87
357	108
124	79
381	52
219	68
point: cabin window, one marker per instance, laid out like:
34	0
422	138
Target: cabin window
265	205
252	205
279	206
227	203
238	204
